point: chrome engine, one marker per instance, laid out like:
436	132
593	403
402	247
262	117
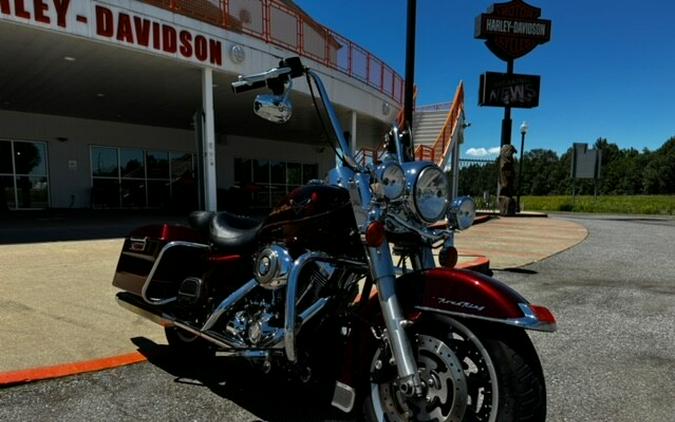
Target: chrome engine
253	325
258	319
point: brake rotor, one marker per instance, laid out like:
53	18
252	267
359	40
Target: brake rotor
446	397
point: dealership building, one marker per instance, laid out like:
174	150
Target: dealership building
127	104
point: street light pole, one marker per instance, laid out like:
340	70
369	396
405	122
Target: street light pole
523	132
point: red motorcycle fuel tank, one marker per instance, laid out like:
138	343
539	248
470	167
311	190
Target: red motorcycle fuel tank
315	217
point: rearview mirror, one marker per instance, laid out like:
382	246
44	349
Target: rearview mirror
274	108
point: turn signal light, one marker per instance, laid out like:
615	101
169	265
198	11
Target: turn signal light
448	257
543	314
375	234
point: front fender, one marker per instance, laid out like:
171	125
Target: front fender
469	294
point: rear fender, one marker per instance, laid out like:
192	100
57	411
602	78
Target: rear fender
469	294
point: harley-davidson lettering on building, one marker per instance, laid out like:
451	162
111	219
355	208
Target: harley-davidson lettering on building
42	11
115	25
147	33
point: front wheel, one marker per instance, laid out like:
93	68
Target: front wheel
477	372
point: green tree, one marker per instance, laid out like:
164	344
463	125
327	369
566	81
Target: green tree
658	176
540	172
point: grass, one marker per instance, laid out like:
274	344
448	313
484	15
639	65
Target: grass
637	204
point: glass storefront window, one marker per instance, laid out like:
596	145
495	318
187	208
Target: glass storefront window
309	172
132	164
32	192
105	193
158	164
278	172
159	193
242	171
261	171
6	158
30	158
133	193
24	182
156	179
294	174
277	193
272	180
104	162
7	197
181	165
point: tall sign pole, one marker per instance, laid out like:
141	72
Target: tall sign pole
507	123
409	77
510	30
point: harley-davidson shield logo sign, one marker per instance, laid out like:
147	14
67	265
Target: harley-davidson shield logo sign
512	29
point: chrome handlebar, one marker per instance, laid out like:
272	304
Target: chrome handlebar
335	123
258	80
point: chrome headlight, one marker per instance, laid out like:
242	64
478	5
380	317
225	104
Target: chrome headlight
390	179
430	194
272	267
462	213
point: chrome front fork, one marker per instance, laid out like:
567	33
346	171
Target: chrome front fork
382	271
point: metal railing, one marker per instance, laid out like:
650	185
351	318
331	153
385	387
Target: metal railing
443	141
424	153
367	155
283	24
479	178
441	146
434	107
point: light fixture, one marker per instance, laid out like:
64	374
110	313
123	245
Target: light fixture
386	108
69	58
100	95
523	128
237	54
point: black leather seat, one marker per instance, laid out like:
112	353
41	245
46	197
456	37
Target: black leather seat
200	220
229	233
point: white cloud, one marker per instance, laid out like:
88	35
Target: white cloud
482	152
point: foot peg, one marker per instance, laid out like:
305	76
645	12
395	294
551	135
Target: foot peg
343	397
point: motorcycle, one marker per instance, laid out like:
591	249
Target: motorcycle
314	290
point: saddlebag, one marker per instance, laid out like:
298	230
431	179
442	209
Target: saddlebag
160	256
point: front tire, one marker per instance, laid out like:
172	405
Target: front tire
474	372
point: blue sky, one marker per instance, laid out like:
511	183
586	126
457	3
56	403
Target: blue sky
608	71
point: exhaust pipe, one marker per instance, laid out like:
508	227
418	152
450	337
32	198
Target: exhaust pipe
167	321
126	301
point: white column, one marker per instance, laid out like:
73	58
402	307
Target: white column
209	142
353	132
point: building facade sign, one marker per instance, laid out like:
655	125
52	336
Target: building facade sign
513	29
115	25
509	90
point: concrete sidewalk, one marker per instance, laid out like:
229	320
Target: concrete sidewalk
57	302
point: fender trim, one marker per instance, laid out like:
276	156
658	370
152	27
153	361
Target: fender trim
468	294
526	323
